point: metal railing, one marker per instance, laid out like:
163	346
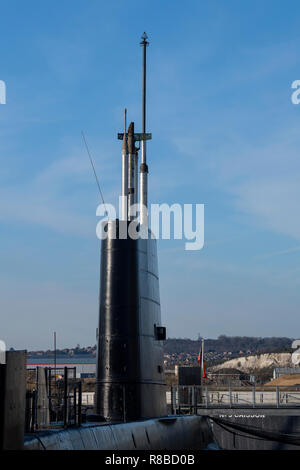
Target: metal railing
190	399
53	399
58	401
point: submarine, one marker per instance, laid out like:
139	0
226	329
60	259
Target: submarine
130	399
130	407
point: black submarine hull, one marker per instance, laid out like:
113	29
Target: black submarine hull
172	433
130	381
238	430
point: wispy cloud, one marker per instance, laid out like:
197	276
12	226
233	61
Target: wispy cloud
61	196
279	253
274	203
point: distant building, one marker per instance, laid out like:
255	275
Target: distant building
85	367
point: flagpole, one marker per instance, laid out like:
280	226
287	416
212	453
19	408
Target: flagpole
202	361
202	355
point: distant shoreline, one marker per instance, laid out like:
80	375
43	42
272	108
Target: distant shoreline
62	359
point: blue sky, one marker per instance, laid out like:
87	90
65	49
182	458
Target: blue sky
225	134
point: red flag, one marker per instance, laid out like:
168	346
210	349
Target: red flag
199	360
199	356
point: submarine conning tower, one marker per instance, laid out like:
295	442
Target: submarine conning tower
130	382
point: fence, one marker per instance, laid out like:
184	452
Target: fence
190	399
53	398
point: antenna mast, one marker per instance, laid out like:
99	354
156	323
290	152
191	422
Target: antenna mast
144	43
144	168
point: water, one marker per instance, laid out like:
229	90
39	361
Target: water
36	360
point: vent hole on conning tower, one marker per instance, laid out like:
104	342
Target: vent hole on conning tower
147	435
134	443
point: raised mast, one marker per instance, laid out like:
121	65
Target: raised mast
144	167
134	183
131	171
144	43
124	215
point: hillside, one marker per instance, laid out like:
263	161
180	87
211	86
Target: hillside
234	344
258	362
185	351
